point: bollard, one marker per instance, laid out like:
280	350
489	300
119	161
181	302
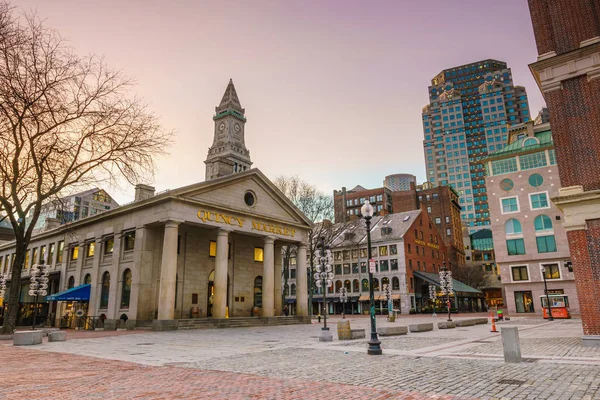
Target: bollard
511	345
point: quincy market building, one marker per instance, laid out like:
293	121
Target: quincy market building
204	250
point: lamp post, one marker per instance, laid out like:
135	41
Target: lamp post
432	296
38	286
446	285
550	317
324	274
343	300
374	344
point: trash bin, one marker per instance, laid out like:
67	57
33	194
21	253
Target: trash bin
500	315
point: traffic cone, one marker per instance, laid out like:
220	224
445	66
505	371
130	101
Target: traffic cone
493	325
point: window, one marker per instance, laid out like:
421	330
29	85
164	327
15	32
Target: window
535	160
408	250
346	254
513	227
539	200
71	282
354	253
338	269
546	244
293	273
337	256
515	247
509	204
520	273
448	232
109	245
551	271
383	250
258	291
504	166
87	279
126	289
536	180
74	253
542	223
34	259
363	253
105	290
346	269
438	221
50	253
363	267
293	290
393	249
355	268
394	265
91	248
61	248
129	241
365	285
383	265
258	253
395	283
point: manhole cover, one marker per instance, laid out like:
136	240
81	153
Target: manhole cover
145	344
511	382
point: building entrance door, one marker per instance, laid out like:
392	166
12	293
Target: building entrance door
524	302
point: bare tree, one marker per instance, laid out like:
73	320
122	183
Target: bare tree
65	121
471	275
318	207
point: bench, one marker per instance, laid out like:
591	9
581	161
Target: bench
58	336
446	325
481	320
357	334
27	338
421	327
392	330
465	322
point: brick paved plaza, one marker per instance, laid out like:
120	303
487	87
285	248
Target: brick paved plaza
288	362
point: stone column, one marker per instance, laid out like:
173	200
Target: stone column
168	272
114	278
80	261
278	280
220	297
93	304
268	288
301	281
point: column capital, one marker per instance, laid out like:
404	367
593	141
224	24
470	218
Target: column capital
270	239
223	232
171	223
302	245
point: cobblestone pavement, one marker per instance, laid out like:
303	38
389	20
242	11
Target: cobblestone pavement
464	363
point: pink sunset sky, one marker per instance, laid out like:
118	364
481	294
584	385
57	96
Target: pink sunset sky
333	89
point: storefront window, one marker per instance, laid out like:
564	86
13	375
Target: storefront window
524	302
395	283
105	290
126	289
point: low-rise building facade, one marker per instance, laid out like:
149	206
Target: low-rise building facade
528	228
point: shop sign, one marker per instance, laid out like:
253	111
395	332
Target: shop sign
423	243
372	266
210	216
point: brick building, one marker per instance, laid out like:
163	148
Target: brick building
347	203
567	70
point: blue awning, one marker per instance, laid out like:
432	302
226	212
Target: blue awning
79	293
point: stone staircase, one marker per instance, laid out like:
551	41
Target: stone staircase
243	322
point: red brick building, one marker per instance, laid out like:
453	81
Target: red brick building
567	34
347	203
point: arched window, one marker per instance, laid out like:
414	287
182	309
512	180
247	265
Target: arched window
330	288
542	223
395	283
88	279
513	227
356	286
105	290
348	286
338	286
293	289
365	285
286	290
385	281
530	141
126	289
71	282
375	284
258	291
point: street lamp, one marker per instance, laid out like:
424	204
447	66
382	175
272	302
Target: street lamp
550	317
324	275
374	344
343	300
432	296
446	285
38	286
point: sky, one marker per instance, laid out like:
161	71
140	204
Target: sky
333	89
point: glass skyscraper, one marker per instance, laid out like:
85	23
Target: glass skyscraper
469	111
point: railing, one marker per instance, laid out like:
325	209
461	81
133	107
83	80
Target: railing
89	323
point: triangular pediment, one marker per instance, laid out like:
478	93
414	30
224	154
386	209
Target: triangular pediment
229	193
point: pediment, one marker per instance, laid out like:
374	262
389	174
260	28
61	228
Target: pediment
229	193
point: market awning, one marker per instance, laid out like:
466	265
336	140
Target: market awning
457	286
78	293
364	297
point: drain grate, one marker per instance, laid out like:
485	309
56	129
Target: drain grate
511	382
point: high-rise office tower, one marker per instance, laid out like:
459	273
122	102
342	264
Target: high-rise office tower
469	111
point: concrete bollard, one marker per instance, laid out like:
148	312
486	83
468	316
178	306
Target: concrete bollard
511	345
326	336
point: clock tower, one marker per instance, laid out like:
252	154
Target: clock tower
228	154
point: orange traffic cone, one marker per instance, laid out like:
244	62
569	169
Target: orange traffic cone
493	325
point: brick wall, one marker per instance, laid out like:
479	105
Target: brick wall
404	201
561	25
585	255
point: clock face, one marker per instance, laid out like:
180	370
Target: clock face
507	185
222	127
237	127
